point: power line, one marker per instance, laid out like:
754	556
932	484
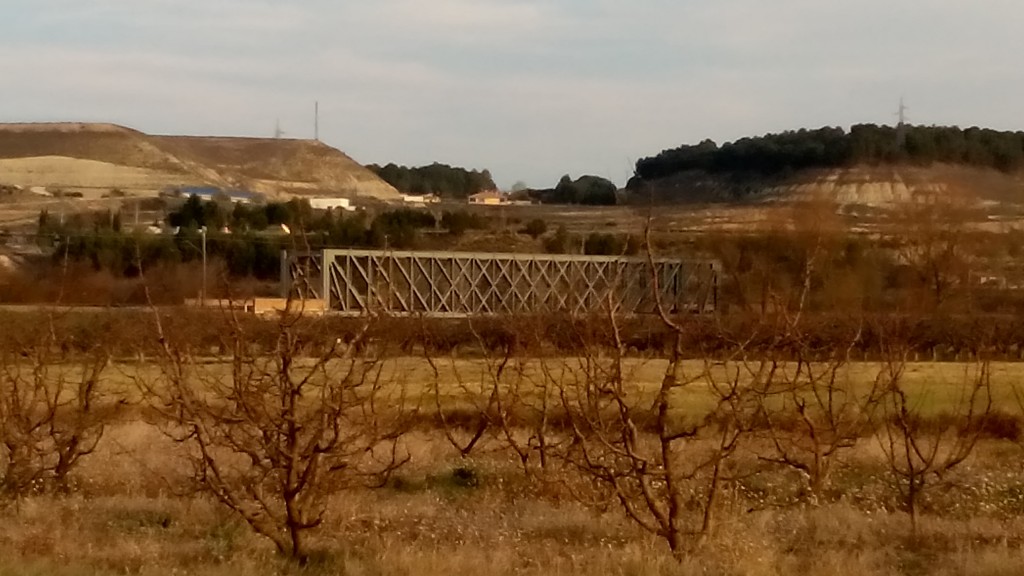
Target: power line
241	236
213	239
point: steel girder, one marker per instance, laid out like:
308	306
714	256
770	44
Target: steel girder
457	284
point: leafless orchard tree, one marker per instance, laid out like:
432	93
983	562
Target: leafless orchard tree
662	461
935	244
506	395
812	414
53	412
664	467
921	456
464	404
53	405
272	437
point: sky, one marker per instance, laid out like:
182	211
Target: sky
530	89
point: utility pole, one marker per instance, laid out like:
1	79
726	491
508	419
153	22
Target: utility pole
202	297
316	121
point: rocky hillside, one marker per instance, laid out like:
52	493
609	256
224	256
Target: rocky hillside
94	158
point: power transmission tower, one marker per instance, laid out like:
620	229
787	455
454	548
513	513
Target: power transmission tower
278	133
901	128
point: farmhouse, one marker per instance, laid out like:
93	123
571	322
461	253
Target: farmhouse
489	198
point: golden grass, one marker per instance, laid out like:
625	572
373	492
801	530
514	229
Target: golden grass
134	515
435	534
937	386
132	511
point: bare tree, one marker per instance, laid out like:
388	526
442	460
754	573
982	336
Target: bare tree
920	456
934	243
474	397
662	464
812	413
273	436
506	395
809	414
52	412
663	467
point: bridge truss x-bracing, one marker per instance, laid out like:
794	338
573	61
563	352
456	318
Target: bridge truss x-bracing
457	284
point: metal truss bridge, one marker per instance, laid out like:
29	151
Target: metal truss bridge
459	284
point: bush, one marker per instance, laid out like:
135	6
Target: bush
599	244
559	242
589	190
460	221
535	228
399	228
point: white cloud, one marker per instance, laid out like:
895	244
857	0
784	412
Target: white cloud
181	16
467	16
529	88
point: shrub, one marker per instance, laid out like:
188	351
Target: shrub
559	242
535	228
600	244
459	222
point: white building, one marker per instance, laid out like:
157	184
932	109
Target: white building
330	203
420	199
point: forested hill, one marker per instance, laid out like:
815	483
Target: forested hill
440	179
863	144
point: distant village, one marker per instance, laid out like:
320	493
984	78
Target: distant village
485	198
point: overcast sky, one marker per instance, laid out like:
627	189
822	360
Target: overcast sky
531	89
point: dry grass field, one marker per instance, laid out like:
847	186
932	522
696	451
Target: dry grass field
934	386
134	508
129	518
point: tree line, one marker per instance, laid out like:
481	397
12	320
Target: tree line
247	239
586	190
453	182
438	179
831	147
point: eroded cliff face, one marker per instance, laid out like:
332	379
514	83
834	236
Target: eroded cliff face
878	186
868	186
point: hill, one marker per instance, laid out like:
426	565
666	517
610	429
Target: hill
861	185
873	165
95	158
